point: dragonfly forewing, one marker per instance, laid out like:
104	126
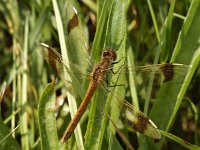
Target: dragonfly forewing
63	69
76	39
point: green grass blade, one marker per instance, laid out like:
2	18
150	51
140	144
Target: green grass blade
9	142
90	4
154	20
180	141
47	120
166	34
34	33
23	114
69	54
101	27
14	86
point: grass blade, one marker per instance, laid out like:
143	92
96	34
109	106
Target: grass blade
8	143
47	120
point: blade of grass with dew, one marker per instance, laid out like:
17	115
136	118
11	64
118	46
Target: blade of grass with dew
170	95
47	120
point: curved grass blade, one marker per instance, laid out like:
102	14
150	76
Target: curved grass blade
180	141
47	120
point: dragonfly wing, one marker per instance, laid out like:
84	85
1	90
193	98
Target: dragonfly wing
130	116
77	37
162	72
66	71
133	118
166	72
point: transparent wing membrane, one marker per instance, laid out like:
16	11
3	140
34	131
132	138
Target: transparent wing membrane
162	72
131	117
77	41
66	71
135	119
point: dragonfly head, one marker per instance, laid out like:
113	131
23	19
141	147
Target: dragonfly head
109	54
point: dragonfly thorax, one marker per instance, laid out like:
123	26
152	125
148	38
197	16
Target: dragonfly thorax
109	54
99	71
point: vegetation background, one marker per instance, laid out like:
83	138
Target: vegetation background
143	31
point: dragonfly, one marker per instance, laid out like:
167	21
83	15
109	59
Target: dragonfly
129	114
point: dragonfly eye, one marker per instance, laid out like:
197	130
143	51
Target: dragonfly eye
110	53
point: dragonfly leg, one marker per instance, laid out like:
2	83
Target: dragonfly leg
118	61
113	83
115	72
